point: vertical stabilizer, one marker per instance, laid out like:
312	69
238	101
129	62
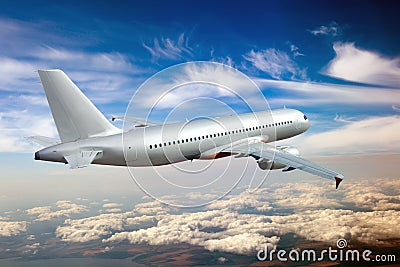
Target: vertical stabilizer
74	114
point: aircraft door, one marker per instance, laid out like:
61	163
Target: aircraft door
131	153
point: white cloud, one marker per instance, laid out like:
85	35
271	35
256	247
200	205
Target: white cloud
295	51
276	64
358	65
38	210
194	83
373	228
152	208
11	228
192	228
112	205
167	48
113	210
15	125
303	196
373	134
96	61
244	201
333	29
340	118
369	196
224	60
63	209
93	228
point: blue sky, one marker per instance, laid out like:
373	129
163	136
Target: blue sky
337	61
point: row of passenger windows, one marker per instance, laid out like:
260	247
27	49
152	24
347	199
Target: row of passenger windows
191	139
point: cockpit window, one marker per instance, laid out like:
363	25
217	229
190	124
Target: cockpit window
305	117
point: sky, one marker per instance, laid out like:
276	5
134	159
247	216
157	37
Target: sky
336	61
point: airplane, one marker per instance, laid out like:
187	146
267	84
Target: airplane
87	137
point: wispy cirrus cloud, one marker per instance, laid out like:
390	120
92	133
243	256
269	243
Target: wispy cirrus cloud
20	123
332	29
295	51
167	48
358	65
313	93
276	64
341	118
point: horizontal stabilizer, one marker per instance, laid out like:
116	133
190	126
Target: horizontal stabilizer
43	140
82	158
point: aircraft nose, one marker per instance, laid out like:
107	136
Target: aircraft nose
307	125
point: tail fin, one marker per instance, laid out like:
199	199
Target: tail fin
75	116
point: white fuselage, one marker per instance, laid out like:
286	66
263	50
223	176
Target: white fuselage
176	142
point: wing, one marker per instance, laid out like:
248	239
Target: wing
262	150
136	121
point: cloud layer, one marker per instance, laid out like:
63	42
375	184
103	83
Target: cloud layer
244	223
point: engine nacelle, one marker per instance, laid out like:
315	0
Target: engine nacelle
267	164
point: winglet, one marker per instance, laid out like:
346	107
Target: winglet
338	180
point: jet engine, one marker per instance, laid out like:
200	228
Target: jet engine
267	164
